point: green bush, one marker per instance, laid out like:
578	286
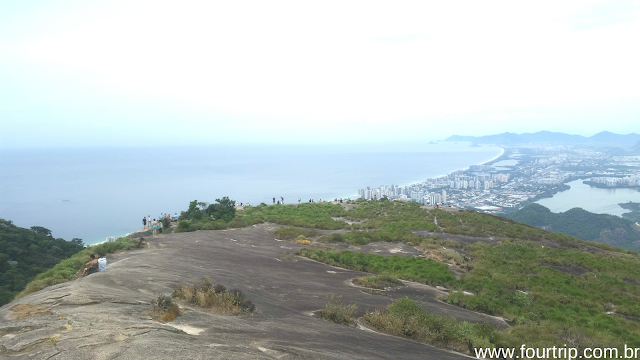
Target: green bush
68	269
406	318
338	312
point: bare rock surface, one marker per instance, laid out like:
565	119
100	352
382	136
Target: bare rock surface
105	315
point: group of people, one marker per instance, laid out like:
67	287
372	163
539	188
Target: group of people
156	225
95	265
281	201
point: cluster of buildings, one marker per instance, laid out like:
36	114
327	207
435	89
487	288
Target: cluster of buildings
538	170
617	182
415	193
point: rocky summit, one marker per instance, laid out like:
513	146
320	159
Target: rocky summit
107	315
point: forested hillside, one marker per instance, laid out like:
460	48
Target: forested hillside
582	224
24	253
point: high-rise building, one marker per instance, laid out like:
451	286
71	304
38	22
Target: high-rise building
444	195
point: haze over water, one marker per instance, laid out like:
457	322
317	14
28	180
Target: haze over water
98	192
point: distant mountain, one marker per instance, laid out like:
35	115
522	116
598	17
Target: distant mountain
604	138
582	224
636	147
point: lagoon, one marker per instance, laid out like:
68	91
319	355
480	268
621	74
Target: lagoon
593	199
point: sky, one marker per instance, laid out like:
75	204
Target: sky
155	73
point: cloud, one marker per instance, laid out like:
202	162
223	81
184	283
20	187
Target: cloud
330	69
604	13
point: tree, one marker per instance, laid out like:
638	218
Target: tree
192	213
223	209
40	230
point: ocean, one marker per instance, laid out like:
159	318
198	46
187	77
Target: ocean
92	193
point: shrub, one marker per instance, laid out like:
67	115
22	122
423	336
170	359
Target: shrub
338	312
290	233
285	256
164	309
378	282
405	317
215	297
184	226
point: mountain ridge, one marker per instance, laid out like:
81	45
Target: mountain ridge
601	138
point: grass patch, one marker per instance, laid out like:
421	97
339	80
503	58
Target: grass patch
67	269
164	309
312	216
338	311
406	318
436	250
378	281
286	256
410	268
215	298
290	233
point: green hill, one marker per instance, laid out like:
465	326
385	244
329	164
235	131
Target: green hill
24	253
551	289
582	224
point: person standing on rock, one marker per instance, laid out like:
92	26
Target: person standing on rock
274	201
155	226
298	200
149	221
144	223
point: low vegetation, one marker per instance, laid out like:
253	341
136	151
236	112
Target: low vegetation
290	233
69	269
286	256
311	216
215	298
532	286
164	309
444	251
338	311
410	268
406	318
378	281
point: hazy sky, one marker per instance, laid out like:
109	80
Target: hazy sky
76	73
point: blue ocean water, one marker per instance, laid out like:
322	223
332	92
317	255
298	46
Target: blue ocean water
92	193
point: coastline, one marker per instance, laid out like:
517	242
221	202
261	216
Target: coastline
497	157
96	210
502	152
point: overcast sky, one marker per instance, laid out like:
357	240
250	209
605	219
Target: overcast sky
77	73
